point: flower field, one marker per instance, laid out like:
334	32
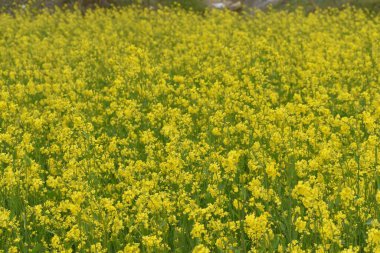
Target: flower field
173	131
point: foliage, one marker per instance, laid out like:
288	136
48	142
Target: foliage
9	6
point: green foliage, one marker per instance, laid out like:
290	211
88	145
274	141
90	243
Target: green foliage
312	5
10	5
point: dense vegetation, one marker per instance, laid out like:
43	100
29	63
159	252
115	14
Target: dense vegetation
172	131
9	6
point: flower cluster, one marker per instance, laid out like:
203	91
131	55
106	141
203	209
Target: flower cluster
132	130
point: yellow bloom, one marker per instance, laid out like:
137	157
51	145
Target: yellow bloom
271	170
201	249
198	230
300	225
257	227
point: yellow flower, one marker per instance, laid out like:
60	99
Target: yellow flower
347	195
73	234
4	218
351	250
198	230
257	227
300	225
132	248
151	242
200	249
373	240
271	170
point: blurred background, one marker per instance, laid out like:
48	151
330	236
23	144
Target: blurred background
237	5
